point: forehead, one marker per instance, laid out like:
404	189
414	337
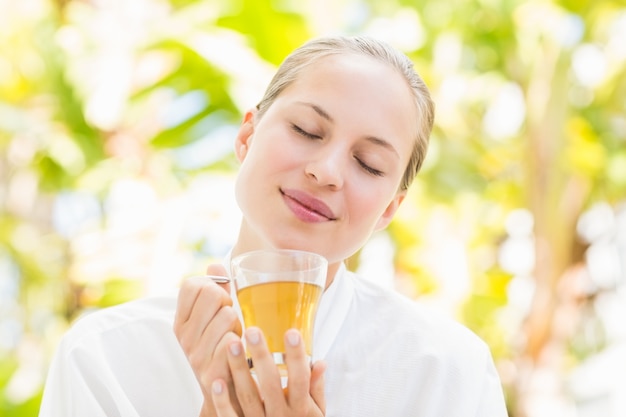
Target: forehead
356	88
367	69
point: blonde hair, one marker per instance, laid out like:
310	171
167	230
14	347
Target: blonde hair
315	49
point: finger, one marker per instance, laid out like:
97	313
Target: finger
266	371
221	399
199	292
246	388
219	369
317	385
225	320
217	365
187	295
199	300
218	269
298	370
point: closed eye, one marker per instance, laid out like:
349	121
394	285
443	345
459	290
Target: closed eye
369	169
304	133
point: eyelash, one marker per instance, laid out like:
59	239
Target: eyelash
369	169
363	165
304	133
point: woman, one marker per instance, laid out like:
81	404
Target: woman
326	160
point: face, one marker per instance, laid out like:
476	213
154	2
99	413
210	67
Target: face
320	171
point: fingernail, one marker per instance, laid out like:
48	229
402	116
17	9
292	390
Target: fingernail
217	387
253	336
235	348
293	338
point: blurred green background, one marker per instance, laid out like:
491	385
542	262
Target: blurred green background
117	120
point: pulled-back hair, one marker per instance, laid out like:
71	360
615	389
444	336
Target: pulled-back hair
315	49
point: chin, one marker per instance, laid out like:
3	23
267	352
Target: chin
296	244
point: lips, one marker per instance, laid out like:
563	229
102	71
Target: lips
306	207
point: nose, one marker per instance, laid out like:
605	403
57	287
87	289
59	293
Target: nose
326	169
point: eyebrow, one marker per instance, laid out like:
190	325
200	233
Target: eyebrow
373	139
317	110
383	143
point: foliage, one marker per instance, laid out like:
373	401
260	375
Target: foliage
111	108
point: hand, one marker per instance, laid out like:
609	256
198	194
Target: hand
205	325
303	397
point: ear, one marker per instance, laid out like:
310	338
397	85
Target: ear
244	135
390	211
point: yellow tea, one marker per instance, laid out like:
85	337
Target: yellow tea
278	306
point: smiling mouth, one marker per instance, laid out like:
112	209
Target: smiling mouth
306	207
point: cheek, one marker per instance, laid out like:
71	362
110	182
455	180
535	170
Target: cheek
258	159
251	177
240	189
271	150
257	172
367	204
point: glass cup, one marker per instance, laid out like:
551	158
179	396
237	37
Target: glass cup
278	290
